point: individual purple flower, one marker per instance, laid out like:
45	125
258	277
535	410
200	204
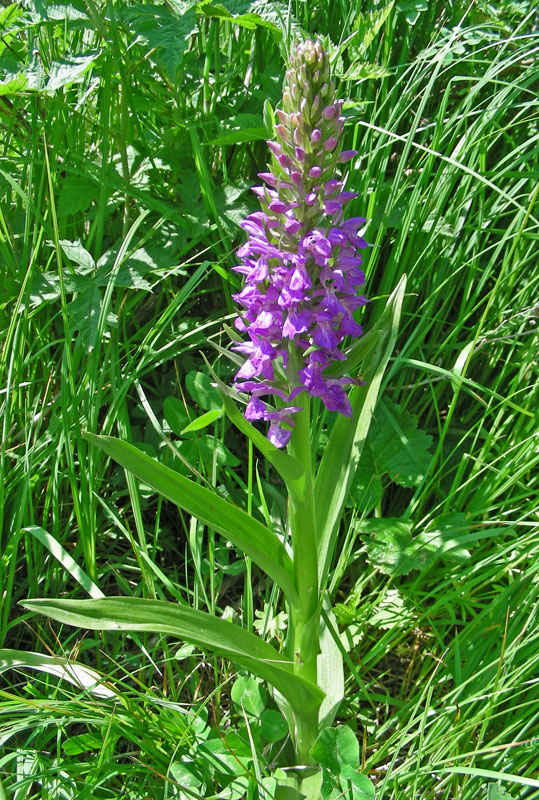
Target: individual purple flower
301	262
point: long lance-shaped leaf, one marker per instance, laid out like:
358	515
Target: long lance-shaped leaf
341	456
197	627
248	534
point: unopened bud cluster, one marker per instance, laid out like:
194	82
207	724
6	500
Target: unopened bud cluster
301	260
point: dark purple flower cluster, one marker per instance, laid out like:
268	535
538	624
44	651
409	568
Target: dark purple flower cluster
301	259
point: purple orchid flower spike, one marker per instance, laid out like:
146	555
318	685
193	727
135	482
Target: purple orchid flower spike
301	262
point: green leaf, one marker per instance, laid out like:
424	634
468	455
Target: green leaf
330	671
392	550
77	254
258	542
175	414
395	447
81	744
63	557
77	193
188	624
85	309
208	448
348	436
273	726
65	72
77	674
203	421
249	696
335	748
161	31
199	387
361	70
362	787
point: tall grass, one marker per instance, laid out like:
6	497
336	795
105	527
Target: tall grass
131	133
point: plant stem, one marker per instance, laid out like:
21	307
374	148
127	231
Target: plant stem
305	617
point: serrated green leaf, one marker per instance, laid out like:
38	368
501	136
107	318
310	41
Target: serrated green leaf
83	311
77	254
161	31
203	421
68	70
245	532
395	447
77	193
368	25
190	625
392	549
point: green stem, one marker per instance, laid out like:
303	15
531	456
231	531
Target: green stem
302	522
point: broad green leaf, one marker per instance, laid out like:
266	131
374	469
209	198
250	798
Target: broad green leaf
395	447
77	254
161	31
77	193
199	387
175	414
348	436
85	309
190	625
81	744
208	448
361	70
392	549
203	421
335	748
236	136
71	69
77	674
362	787
249	695
255	539
273	725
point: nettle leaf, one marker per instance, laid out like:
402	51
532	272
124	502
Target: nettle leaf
78	255
68	70
267	14
392	549
84	310
161	30
362	69
131	272
77	194
395	447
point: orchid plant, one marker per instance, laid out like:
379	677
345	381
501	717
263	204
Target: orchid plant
301	265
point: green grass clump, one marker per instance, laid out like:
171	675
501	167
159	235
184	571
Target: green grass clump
131	135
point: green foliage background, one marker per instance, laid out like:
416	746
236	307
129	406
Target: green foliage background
131	133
